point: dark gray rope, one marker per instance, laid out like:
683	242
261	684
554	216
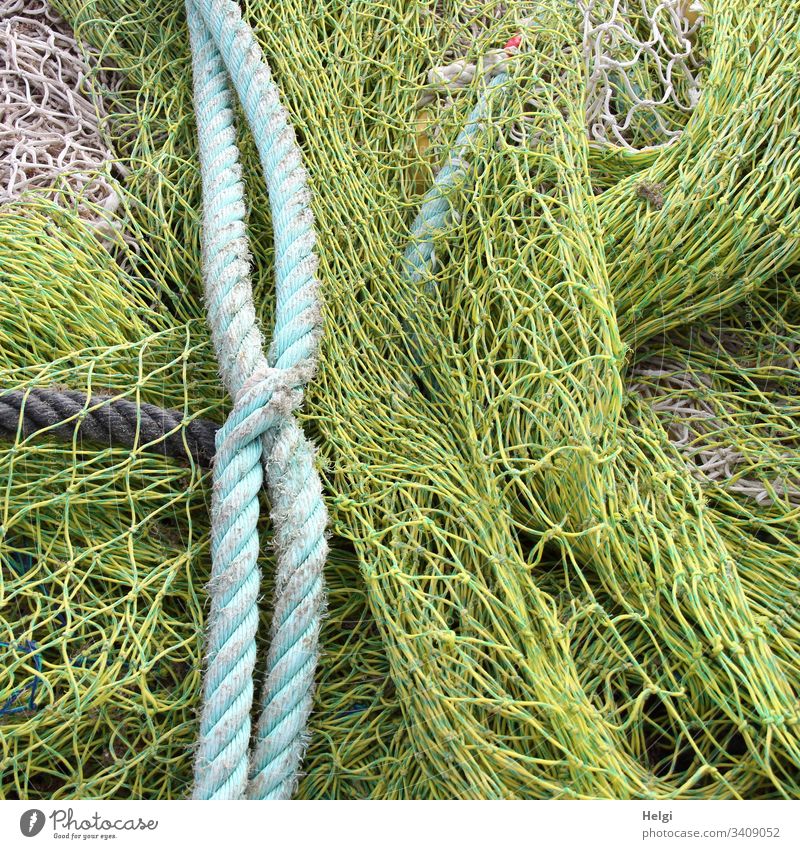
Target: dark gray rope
104	420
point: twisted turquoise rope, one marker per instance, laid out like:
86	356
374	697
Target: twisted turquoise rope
260	427
435	215
437	209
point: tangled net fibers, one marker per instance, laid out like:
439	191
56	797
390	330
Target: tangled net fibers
562	464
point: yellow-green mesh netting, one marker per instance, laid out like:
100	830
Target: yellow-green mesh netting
570	568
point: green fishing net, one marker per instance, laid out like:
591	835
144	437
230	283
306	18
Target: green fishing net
562	469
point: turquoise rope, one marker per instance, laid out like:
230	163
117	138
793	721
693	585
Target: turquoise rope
435	215
437	208
221	761
260	428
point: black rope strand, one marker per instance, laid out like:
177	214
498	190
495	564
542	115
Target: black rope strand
107	421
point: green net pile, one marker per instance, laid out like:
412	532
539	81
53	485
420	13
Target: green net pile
565	520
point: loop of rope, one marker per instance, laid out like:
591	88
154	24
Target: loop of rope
260	429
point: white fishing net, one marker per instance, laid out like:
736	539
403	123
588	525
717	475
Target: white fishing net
643	68
703	425
50	118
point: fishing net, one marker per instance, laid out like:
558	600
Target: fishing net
52	132
644	64
561	461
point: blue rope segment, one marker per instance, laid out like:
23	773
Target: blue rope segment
435	215
261	436
437	210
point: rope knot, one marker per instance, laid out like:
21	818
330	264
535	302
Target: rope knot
260	437
278	388
266	400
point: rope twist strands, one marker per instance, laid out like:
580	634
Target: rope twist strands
221	761
438	205
70	413
259	429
